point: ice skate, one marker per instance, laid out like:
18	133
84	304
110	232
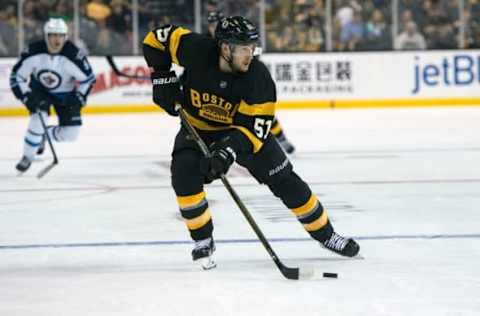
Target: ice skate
203	252
343	246
23	164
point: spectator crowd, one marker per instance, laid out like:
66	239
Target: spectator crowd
106	26
367	25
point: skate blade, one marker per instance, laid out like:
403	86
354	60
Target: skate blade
20	173
207	263
359	256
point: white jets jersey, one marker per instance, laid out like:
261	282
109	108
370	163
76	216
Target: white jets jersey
56	74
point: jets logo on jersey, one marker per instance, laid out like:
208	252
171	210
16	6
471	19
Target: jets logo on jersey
49	79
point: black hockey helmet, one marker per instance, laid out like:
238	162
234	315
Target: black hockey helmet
236	30
214	16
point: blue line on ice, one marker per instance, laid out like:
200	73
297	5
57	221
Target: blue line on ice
228	241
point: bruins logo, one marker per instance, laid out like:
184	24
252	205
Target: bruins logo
215	113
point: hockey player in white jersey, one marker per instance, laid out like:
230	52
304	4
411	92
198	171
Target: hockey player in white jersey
51	72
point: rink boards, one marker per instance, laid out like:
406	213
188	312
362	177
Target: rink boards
313	80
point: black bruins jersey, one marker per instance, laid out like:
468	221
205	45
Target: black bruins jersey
215	100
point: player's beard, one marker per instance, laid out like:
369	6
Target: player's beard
241	65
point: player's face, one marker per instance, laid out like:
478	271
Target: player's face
56	42
242	56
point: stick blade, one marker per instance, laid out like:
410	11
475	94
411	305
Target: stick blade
302	273
45	170
119	73
290	273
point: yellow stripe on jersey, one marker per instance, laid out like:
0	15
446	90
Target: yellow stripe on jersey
152	41
318	223
307	207
200	221
175	42
207	127
257	145
267	108
190	200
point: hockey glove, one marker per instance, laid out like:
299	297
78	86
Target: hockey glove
37	100
74	100
222	158
165	90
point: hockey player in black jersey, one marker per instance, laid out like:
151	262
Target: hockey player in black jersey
229	97
277	130
51	72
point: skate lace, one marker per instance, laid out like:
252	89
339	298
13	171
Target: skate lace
336	242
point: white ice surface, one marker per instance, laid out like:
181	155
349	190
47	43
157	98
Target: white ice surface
405	182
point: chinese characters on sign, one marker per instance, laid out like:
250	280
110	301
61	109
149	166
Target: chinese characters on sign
312	77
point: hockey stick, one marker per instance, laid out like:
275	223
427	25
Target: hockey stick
289	273
117	71
50	144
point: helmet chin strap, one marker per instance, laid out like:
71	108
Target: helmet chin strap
230	60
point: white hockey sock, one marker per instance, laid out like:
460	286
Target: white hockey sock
34	134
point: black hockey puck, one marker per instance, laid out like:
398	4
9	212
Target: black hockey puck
330	275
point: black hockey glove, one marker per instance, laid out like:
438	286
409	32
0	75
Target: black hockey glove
222	158
37	100
165	90
74	100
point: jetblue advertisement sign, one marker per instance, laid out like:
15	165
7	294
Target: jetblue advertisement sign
454	71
